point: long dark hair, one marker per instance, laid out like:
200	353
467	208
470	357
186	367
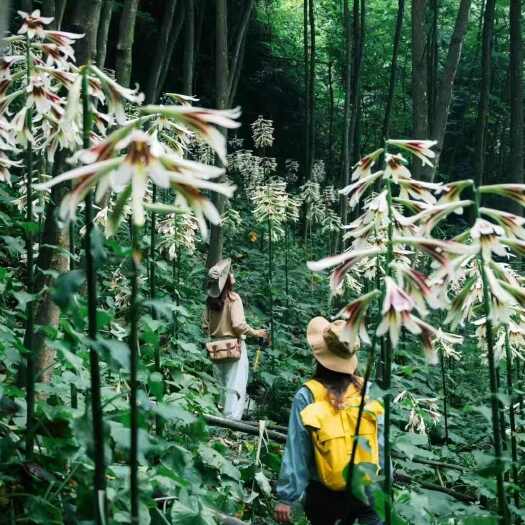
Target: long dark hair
217	303
336	383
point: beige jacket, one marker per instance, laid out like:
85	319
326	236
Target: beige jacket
230	322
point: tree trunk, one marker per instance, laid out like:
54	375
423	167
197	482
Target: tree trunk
347	111
49	9
60	10
311	86
238	54
154	77
26	5
126	37
446	81
4	19
393	69
486	74
52	258
189	49
307	114
103	32
516	98
331	106
221	85
433	58
87	16
419	76
173	38
356	77
200	9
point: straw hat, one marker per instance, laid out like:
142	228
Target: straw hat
324	338
217	277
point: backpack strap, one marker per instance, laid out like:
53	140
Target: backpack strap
317	389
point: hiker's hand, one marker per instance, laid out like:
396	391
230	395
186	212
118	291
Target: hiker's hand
283	513
262	333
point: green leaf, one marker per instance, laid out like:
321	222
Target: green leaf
114	352
97	247
121	435
66	286
264	483
23	298
118	210
214	459
156	385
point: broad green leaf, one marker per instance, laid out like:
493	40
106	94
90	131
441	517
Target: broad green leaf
66	286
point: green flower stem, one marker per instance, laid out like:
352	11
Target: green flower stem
286	264
71	235
387	382
28	338
91	277
176	270
512	419
270	282
152	291
443	364
496	430
134	352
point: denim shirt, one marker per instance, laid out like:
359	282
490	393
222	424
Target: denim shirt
298	466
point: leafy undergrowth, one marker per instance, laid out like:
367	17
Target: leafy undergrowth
187	468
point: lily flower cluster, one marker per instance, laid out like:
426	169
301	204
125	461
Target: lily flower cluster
129	159
262	133
41	73
274	206
177	231
386	240
495	238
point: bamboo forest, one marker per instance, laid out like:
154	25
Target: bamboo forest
261	262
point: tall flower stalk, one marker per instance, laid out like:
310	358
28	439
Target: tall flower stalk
385	239
512	418
136	257
94	365
126	162
29	334
493	376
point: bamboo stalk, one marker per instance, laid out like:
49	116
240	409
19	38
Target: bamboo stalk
91	277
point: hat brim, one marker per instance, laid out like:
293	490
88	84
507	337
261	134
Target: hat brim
314	336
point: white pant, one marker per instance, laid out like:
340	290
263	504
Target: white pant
233	376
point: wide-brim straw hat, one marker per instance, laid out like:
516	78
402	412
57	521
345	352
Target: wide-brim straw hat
324	339
217	277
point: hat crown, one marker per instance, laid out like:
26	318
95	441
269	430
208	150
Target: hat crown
335	344
331	346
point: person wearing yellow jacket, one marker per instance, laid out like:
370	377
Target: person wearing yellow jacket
321	433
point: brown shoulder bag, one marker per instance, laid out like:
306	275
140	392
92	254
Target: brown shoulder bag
223	350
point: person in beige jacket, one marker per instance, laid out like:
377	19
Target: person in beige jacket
224	318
